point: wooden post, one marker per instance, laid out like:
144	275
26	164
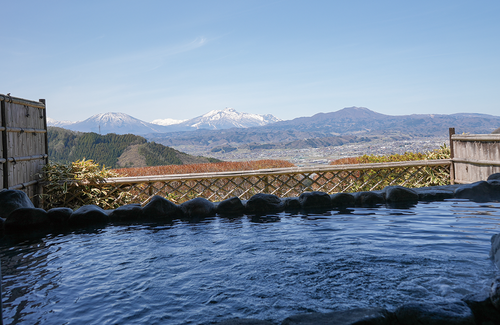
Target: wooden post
452	155
46	131
39	187
4	146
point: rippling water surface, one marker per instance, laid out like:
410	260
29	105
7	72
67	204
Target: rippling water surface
265	268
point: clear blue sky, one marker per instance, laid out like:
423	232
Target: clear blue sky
181	59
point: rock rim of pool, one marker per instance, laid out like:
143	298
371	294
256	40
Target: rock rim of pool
18	215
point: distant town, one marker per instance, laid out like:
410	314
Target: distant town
324	155
229	135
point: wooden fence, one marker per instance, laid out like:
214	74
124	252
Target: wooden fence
475	156
283	182
23	145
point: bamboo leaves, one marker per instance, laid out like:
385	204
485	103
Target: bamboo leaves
74	185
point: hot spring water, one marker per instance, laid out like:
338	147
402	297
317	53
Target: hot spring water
265	268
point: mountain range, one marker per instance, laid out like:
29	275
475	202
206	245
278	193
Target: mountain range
121	123
226	119
230	129
348	125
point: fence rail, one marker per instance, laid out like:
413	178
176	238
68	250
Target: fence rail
283	182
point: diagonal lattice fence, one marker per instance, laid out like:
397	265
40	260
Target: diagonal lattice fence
283	182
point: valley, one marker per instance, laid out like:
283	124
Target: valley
232	136
322	155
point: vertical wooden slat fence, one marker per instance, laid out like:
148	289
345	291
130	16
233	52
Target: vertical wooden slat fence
475	156
24	144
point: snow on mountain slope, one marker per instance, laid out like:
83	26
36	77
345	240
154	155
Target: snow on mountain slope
61	124
167	121
119	123
229	118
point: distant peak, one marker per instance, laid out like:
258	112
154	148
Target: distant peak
229	118
167	121
109	115
360	111
357	108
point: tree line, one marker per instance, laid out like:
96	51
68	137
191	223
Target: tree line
66	146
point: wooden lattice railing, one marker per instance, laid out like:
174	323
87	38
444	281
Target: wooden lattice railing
283	182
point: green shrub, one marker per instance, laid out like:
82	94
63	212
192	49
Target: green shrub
442	153
411	176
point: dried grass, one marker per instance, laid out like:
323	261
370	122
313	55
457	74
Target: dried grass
346	161
203	168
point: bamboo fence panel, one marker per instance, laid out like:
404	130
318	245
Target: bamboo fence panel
283	182
23	143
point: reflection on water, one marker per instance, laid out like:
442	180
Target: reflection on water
265	267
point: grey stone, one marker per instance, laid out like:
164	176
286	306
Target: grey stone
315	200
160	208
129	212
11	200
342	201
455	313
347	317
495	293
88	215
483	310
495	249
477	192
399	195
59	217
262	203
432	195
292	204
231	207
198	208
369	199
27	218
494	176
494	189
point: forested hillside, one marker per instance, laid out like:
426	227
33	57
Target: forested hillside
113	150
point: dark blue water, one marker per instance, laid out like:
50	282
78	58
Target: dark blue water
267	268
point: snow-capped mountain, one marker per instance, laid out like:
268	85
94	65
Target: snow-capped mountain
119	123
167	121
61	124
228	118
